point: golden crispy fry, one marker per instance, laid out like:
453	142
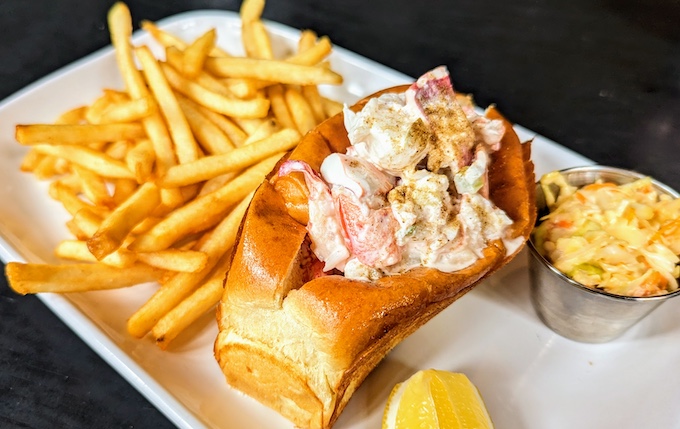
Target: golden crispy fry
82	134
128	111
46	168
31	160
87	222
120	25
331	107
95	110
238	159
73	116
251	10
167	40
209	135
196	53
122	189
181	285
302	113
103	165
311	94
185	145
279	107
256	40
118	149
307	40
77	250
263	130
244	88
140	160
252	108
249	125
235	134
174	58
38	278
69	199
93	186
188	261
118	225
188	311
272	70
204	212
215	183
194	306
312	55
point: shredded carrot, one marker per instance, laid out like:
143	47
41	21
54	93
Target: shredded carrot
598	186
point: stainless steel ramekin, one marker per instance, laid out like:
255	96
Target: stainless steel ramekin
571	309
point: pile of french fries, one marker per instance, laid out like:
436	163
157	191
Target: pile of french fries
157	177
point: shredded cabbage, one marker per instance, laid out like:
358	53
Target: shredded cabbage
624	239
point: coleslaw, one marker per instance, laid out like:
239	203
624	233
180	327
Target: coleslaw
623	239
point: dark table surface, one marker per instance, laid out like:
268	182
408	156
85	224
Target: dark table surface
600	77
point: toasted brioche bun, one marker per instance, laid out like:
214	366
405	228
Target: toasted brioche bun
301	346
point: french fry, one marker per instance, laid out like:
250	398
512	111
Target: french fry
311	92
204	212
73	116
122	189
217	182
196	53
128	111
120	27
140	160
98	162
263	130
174	57
189	261
209	135
313	55
194	306
235	134
249	125
331	107
183	284
185	145
238	159
118	225
299	109
81	134
70	200
252	108
167	40
93	186
272	70
39	278
307	40
95	110
87	221
251	10
279	107
118	149
46	168
77	250
256	40
31	160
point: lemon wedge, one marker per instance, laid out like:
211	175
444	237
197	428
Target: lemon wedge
432	399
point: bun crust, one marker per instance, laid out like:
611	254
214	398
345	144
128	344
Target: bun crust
302	346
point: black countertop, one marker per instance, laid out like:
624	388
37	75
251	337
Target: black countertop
600	77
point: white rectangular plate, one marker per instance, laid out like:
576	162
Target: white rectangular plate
528	376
